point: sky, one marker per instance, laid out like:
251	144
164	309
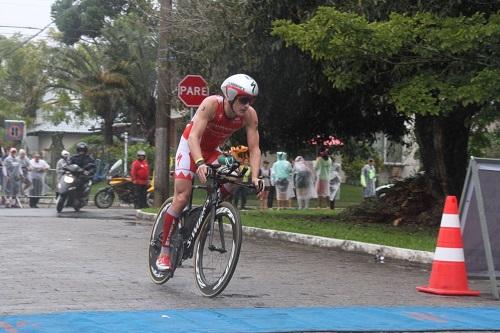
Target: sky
24	13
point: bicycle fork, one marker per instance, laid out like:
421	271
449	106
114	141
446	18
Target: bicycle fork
212	230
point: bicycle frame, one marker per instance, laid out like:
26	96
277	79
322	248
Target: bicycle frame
209	207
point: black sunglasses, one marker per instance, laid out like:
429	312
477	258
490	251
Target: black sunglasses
246	100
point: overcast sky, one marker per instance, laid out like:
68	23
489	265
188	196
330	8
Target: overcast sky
30	13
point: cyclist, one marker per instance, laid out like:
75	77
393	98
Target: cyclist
216	119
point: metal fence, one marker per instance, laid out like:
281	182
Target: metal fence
46	196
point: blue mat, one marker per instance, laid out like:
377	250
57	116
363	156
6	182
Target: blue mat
259	320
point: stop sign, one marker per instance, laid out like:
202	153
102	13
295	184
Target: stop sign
192	90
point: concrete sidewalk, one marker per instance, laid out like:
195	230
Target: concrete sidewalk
422	257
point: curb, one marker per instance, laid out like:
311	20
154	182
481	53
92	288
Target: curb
422	257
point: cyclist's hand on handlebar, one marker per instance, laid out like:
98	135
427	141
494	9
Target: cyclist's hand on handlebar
202	172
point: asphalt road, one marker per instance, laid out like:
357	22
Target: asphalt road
96	260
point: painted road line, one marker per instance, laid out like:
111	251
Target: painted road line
259	320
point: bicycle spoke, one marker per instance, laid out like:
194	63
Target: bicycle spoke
218	251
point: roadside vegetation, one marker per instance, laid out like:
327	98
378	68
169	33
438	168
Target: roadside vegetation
328	223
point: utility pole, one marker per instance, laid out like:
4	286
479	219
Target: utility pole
163	107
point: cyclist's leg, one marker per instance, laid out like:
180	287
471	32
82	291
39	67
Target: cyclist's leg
184	174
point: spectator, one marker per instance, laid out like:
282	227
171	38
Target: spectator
3	155
139	172
280	172
240	193
322	166
13	176
265	175
26	170
39	169
291	187
334	183
304	182
63	161
368	179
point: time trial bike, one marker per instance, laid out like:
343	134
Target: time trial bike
211	232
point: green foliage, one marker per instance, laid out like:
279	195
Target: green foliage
431	58
441	70
86	18
23	80
352	170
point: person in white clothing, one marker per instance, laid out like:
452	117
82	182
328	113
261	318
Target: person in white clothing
265	175
303	180
334	183
38	170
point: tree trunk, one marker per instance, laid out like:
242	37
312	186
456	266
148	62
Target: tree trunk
443	142
162	142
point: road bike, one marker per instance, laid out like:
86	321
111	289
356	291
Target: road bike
212	232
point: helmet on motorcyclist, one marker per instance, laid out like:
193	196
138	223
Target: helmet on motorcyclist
81	147
64	153
141	153
239	85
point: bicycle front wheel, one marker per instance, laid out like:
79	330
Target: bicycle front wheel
218	250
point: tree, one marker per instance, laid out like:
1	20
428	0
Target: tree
296	101
23	79
445	71
87	74
85	18
129	42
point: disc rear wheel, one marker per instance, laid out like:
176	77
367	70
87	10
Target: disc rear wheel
218	250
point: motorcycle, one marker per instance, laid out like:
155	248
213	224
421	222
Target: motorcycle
118	186
73	188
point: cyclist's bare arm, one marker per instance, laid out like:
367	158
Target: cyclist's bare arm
253	144
204	114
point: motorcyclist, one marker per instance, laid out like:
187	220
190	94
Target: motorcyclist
83	160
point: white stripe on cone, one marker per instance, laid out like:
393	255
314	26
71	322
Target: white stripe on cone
450	221
449	254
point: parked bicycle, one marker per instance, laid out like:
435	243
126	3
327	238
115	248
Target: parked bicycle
212	232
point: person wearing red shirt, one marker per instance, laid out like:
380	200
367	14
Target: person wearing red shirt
139	172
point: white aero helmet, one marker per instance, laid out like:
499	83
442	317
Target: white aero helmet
239	85
64	153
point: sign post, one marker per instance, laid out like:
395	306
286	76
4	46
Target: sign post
479	217
14	130
192	90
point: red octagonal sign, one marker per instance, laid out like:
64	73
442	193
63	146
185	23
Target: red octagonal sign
192	90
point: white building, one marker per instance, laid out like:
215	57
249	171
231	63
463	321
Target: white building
43	134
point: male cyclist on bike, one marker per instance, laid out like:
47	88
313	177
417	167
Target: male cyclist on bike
216	119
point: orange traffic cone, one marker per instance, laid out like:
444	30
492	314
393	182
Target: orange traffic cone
448	275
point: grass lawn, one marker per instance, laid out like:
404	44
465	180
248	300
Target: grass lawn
323	222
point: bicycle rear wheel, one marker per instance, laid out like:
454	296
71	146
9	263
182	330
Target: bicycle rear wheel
158	277
218	251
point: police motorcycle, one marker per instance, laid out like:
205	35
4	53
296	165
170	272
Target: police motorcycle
73	187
